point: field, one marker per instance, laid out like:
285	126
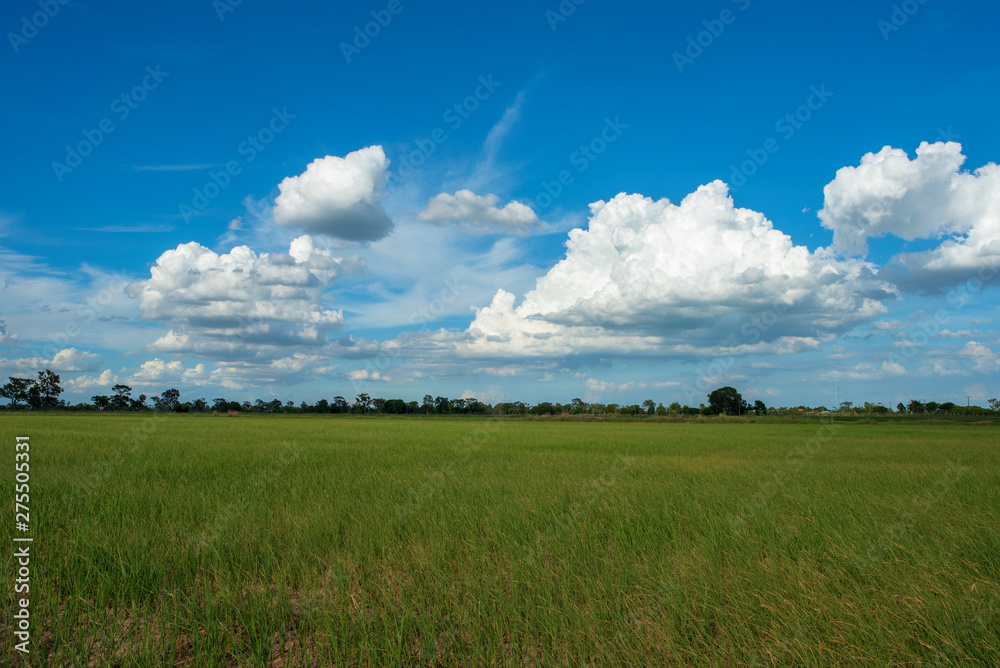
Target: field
329	540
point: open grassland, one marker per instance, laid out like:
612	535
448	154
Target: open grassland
320	540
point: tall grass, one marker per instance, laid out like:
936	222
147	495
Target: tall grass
278	540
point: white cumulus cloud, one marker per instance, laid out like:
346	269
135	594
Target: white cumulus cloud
986	361
652	276
82	383
929	197
237	302
480	213
67	359
338	197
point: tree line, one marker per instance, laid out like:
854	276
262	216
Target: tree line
43	394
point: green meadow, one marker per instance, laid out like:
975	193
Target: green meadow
184	540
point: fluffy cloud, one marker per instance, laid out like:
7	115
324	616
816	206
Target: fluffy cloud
651	276
926	198
364	374
467	209
986	361
338	197
282	372
238	302
6	336
158	371
866	371
83	383
67	359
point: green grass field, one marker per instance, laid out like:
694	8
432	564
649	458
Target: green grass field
321	540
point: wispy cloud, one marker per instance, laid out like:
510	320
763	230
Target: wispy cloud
486	171
502	128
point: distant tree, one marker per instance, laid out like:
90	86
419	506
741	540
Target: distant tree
946	407
102	402
649	406
578	406
122	399
363	403
661	410
759	407
379	405
138	404
16	390
428	404
341	405
394	406
44	394
34	397
322	406
915	406
544	408
932	406
441	405
727	400
167	401
900	408
994	404
220	405
846	406
674	408
413	407
199	405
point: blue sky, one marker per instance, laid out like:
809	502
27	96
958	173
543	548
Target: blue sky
533	201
